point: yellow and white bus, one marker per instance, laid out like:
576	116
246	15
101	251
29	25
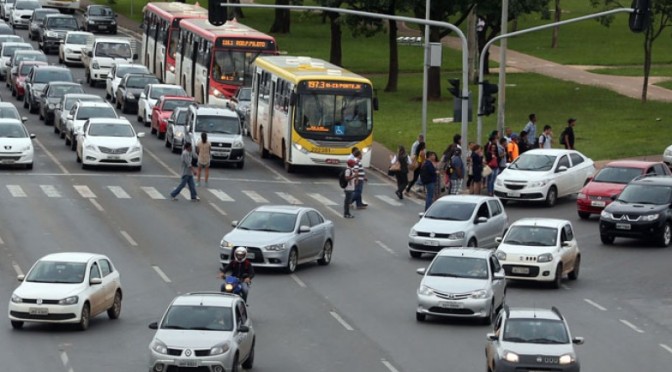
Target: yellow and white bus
310	112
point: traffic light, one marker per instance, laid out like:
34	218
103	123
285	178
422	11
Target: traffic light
488	101
217	14
641	17
455	87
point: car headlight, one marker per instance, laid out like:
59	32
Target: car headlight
500	255
225	244
541	183
179	134
651	217
275	247
90	147
50	34
159	347
581	196
413	233
16	299
567	359
69	300
366	149
27	148
217	93
606	215
136	148
546	257
113	23
68	50
456	236
510	357
130	95
425	290
499	182
51	106
91	22
171	68
481	293
220	349
95	65
238	144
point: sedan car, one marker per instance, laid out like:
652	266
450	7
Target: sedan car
540	249
162	111
109	142
464	283
6	54
203	331
51	96
22	12
17	85
100	18
19	56
129	90
281	237
458	221
667	156
64	106
70	50
151	95
611	180
177	129
80	113
37	78
37	20
544	175
16	145
117	72
54	29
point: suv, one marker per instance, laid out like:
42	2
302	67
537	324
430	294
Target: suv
82	111
462	282
224	133
37	20
53	31
206	330
643	210
51	96
37	78
100	18
531	339
540	249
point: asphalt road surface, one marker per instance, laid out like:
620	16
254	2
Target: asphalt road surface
356	314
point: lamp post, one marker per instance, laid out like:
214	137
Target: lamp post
425	69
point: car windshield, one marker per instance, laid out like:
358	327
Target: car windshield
172	104
10	1
181	118
60	91
100	11
78	39
450	210
40	15
57	272
28	56
532	235
12	130
70	101
157	92
140	82
111	130
217	124
85	113
45	76
459	267
534	162
535	331
646	194
25	69
245	94
62	23
617	175
8	51
269	221
9	113
27	5
10	38
113	50
121	71
198	317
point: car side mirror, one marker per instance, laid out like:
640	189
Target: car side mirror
141	134
304	229
32	136
498	239
142	96
89	53
566	244
561	169
614	197
589	179
498	276
234	223
578	340
171	121
8	63
492	337
421	271
24	119
421	214
95	281
20	277
68	117
243	329
153	325
481	220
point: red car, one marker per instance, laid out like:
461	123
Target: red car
611	180
17	84
162	110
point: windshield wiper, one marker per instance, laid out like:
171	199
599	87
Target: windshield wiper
514	242
172	327
643	202
445	275
204	329
544	341
269	230
536	243
515	339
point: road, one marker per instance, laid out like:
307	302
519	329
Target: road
356	314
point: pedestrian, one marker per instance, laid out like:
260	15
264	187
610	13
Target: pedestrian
523	142
477	169
567	136
418	158
546	137
187	173
448	155
414	146
359	182
352	153
203	149
457	174
531	130
428	176
492	159
470	168
507	134
351	177
401	175
501	150
512	149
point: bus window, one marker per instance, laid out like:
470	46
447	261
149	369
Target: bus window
172	46
328	115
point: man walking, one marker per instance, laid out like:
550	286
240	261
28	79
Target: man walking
359	182
187	172
350	176
414	146
512	150
545	138
567	137
531	130
457	174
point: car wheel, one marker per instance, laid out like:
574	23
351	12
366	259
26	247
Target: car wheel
472	243
249	362
488	319
552	196
262	150
326	253
114	311
31	107
83	324
107	96
584	215
557	281
574	274
420	317
240	164
234	365
166	142
16	324
25	101
292	261
415	254
62	135
665	236
124	110
173	149
607	239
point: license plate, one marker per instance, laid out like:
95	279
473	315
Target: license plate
623	226
332	161
7	161
38	311
432	243
187	363
520	270
103	27
114	157
251	256
217	153
596	203
451	304
513	194
321	150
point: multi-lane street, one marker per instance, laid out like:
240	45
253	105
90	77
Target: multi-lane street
356	314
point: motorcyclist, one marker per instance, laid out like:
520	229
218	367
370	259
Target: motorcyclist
241	268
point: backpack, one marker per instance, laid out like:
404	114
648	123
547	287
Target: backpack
342	181
425	175
562	136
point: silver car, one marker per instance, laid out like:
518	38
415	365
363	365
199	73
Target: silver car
458	221
176	130
464	283
281	236
199	331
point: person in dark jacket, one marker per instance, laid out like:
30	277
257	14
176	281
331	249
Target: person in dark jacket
428	174
241	268
402	175
477	169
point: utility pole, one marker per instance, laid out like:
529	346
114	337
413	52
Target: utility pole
471	42
425	69
501	95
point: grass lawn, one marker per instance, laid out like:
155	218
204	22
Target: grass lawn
660	70
666	84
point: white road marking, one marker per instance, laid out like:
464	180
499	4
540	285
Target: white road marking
342	321
255	196
298	281
169	169
152	192
278	175
1	241
565	286
218	209
385	247
119	192
186	193
289	198
389	365
97	205
50	191
389	200
162	274
221	195
84	191
321	199
128	238
51	156
66	361
16	191
631	326
17	268
595	304
669	349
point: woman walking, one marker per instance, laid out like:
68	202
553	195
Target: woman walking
203	149
419	160
492	159
428	176
476	169
402	174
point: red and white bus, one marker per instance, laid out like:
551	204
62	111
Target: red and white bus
212	62
161	33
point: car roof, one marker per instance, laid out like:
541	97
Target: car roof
163	85
177	98
108	121
544	222
79	33
7	104
28	51
10	121
63	83
15	43
215	110
466	198
294	209
81	95
126	64
94	104
141	74
205	299
530	312
37	63
641	164
47	10
653	180
49	67
60	15
552	152
72	256
465	252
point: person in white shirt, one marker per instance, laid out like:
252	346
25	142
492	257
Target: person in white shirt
414	146
351	177
545	138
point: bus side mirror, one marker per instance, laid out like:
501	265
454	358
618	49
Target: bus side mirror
375	103
292	99
135	56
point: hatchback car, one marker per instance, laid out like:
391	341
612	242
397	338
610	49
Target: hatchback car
531	339
18	84
540	249
458	221
37	20
281	236
151	95
203	331
7	53
7	6
462	282
177	129
51	96
162	111
129	90
64	106
667	156
100	18
117	72
69	287
109	142
9	111
70	50
16	144
22	12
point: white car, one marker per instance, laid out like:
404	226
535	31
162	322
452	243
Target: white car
7	6
544	175
117	72
20	14
16	145
109	142
6	54
63	109
82	111
68	287
70	51
540	249
151	95
667	156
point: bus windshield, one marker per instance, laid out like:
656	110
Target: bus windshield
334	117
233	67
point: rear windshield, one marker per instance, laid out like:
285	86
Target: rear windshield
140	82
62	23
79	39
45	76
60	91
9	50
100	11
27	5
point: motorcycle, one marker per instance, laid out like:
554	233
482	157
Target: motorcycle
232	285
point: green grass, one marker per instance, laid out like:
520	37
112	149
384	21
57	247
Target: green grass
663	70
665	84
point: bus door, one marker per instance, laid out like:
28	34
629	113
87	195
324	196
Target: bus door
202	72
274	145
189	67
161	42
182	50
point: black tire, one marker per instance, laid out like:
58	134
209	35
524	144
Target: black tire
62	134
92	83
551	196
574	274
491	315
16	324
327	251
607	239
557	281
234	366
124	109
584	215
85	318
666	236
108	97
415	254
472	243
249	362
114	311
292	261
420	317
31	107
25	101
264	152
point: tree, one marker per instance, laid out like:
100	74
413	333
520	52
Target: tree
335	49
661	18
556	29
282	21
236	12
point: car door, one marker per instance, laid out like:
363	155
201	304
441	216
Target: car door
498	285
492	345
569	253
581	170
142	101
499	219
109	287
121	91
97	292
110	78
243	339
563	179
318	228
305	241
483	231
81	137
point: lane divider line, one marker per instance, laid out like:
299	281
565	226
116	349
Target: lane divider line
565	286
389	365
66	361
218	209
342	321
17	268
162	274
667	348
163	164
298	281
1	241
97	205
253	157
51	156
128	238
386	248
631	326
595	304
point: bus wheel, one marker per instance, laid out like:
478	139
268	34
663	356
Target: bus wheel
288	167
262	150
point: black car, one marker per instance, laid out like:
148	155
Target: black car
38	77
643	210
51	96
129	91
54	29
37	20
100	18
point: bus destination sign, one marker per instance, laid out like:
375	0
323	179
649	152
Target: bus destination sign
335	86
246	44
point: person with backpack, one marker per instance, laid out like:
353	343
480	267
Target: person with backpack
418	158
567	136
428	176
347	182
457	172
492	159
241	268
545	138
